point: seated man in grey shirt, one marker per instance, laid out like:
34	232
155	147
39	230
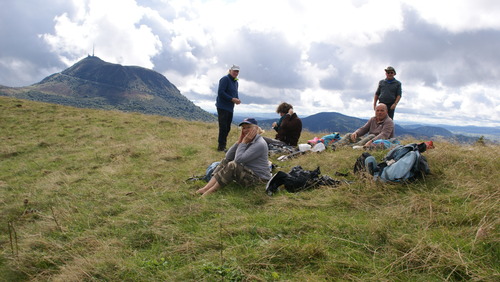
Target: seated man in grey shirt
380	126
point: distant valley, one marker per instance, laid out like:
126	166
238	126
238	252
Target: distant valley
328	122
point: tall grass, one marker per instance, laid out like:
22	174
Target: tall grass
103	195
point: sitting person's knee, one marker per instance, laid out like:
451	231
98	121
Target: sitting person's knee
232	165
371	164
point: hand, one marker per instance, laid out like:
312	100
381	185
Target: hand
368	144
240	139
236	101
354	136
274	124
393	106
250	136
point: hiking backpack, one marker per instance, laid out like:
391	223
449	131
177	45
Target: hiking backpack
359	165
402	163
298	180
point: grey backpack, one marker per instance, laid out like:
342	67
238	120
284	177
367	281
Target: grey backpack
402	163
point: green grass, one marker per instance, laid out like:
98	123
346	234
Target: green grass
102	195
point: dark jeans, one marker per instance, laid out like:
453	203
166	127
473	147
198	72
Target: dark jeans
225	120
390	112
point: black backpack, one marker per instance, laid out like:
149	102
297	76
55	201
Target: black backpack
359	165
298	180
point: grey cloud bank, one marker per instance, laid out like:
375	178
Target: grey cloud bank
317	63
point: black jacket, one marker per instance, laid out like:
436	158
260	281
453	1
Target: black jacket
290	129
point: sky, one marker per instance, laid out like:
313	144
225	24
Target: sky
318	55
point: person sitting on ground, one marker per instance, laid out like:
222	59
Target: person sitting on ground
289	126
245	162
380	126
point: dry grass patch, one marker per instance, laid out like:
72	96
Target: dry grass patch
97	195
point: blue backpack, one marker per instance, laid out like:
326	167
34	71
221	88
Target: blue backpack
210	170
402	163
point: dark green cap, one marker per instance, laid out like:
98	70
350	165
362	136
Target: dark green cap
389	68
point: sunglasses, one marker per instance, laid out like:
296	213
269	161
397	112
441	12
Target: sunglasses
389	72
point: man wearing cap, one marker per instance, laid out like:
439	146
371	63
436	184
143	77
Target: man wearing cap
246	161
388	92
227	97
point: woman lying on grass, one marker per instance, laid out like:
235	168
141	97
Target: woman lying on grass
245	162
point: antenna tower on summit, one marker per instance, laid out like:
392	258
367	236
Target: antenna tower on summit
93	47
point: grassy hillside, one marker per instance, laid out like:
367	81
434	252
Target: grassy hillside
102	195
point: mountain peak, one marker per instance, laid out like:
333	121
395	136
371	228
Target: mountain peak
94	83
96	70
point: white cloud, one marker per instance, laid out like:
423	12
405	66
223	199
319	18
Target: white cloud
318	55
112	27
459	15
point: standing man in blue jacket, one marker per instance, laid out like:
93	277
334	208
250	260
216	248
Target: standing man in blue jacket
227	97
